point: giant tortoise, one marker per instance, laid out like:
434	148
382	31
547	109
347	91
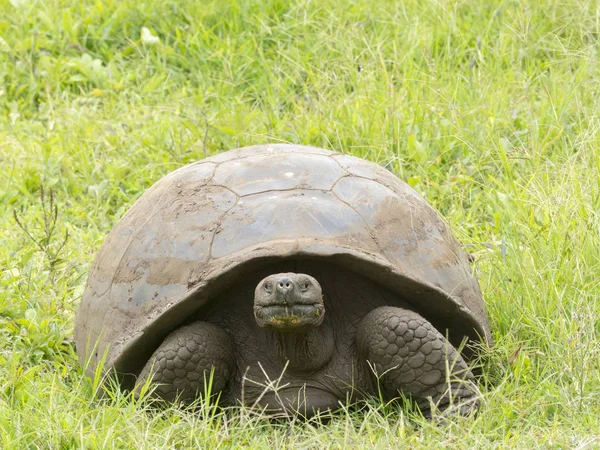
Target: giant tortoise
297	277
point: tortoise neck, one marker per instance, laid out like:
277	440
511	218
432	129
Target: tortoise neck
303	351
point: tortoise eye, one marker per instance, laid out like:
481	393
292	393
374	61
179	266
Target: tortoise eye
305	285
267	286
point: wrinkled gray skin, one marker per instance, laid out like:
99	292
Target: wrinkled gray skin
317	357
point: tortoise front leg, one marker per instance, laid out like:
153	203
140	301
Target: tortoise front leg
411	357
182	365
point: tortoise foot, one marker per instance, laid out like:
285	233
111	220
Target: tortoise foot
408	356
181	368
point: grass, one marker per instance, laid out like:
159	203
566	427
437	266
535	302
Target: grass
489	109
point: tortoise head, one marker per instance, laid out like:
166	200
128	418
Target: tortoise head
289	302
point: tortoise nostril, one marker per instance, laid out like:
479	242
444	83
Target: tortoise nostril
285	285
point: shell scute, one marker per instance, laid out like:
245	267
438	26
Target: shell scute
278	172
293	215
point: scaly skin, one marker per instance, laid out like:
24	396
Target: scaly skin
409	356
182	365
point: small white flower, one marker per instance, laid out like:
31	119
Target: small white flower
4	47
148	37
18	3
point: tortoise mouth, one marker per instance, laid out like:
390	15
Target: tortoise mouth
290	317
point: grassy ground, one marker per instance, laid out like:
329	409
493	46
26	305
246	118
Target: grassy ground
489	109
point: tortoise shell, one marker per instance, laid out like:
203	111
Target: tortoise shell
198	229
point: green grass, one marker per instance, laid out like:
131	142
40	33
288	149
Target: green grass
489	109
